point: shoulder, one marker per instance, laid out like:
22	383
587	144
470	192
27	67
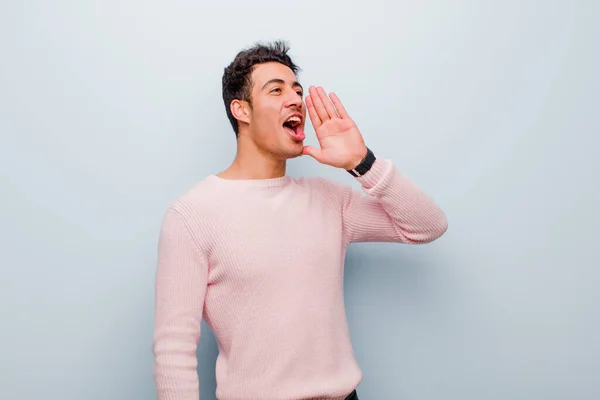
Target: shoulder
195	204
195	211
195	198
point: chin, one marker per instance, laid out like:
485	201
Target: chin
290	147
297	154
287	150
291	153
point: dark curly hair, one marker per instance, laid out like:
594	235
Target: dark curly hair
237	82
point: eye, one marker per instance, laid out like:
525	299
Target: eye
300	93
275	90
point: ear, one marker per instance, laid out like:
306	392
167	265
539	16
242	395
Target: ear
241	110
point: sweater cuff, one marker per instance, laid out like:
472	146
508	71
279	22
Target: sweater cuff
378	171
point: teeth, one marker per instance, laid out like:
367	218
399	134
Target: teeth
293	119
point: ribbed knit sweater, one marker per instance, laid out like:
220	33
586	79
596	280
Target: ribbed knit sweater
262	262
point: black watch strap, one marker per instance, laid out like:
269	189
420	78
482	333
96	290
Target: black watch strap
364	166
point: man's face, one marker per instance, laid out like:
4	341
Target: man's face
278	112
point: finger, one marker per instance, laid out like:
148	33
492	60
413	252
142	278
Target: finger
318	103
327	103
338	106
312	113
313	152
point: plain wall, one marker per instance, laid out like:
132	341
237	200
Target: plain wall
111	109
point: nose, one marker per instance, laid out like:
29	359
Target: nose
293	99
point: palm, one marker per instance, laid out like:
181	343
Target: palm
336	138
340	141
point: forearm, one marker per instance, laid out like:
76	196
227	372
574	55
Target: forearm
175	365
394	209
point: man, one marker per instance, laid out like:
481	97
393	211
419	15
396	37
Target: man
260	255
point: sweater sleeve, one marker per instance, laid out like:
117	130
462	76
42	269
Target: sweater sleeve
181	279
393	209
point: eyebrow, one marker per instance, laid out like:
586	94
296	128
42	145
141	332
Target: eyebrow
278	80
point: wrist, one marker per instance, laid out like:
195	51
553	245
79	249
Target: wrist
356	161
362	166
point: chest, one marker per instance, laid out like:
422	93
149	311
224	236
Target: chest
279	238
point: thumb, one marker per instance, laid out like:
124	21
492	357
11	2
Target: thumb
313	152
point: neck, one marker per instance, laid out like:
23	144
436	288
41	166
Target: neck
251	162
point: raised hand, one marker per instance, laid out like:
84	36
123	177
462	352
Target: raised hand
341	143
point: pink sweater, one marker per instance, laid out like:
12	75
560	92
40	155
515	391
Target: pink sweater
262	261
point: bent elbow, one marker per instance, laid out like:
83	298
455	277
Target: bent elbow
440	230
433	230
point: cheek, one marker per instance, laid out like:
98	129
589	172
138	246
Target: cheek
267	113
269	119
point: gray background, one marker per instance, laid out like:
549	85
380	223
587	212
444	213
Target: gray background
111	109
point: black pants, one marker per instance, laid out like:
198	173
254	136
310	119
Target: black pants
352	396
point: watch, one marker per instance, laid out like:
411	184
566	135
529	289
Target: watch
364	166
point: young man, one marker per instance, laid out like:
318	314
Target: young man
260	255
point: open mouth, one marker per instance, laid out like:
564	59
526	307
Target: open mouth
293	125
